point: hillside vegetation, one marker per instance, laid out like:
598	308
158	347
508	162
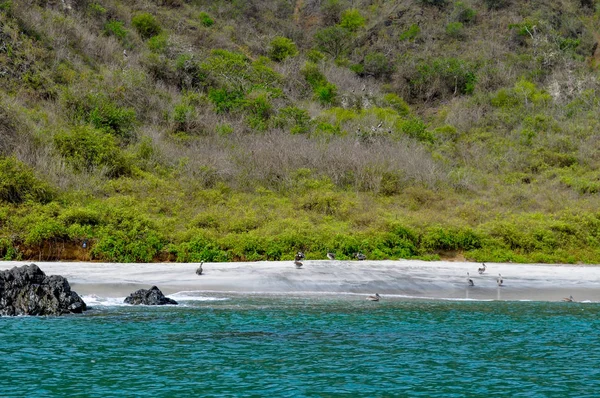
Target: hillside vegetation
192	130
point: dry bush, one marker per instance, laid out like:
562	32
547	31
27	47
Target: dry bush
8	131
272	158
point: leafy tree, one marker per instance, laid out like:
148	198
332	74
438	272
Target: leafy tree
377	64
334	40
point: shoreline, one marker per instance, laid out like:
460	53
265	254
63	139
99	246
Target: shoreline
397	279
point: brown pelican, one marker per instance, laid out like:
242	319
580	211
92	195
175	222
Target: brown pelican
330	256
376	297
469	280
199	269
568	299
360	256
500	281
481	270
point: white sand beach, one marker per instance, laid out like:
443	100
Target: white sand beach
399	279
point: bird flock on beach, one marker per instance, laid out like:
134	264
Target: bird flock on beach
481	270
376	297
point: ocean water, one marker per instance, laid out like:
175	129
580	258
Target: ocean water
305	345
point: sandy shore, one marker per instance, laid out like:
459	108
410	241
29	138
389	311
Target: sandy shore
393	278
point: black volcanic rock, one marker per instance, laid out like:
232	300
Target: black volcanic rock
26	290
152	296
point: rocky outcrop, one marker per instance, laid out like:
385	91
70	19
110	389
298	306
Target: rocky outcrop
27	290
152	296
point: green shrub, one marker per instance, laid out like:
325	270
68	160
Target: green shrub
225	101
206	19
416	128
8	251
116	28
444	76
127	246
411	33
352	20
398	104
282	48
313	75
462	13
376	64
234	72
315	56
107	116
19	184
440	238
455	29
44	230
6	6
158	43
80	215
199	248
87	149
146	25
260	110
326	94
296	119
96	9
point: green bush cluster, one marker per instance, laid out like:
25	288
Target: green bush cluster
206	19
103	113
146	25
325	92
352	20
441	77
88	149
19	184
116	29
282	48
297	120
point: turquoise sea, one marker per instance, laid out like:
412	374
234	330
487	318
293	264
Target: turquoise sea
296	346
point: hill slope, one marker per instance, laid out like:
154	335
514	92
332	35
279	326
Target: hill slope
245	130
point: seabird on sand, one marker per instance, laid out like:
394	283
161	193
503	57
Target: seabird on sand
500	281
376	297
360	256
481	270
568	299
330	256
199	269
469	280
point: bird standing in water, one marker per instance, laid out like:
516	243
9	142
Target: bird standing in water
500	281
199	269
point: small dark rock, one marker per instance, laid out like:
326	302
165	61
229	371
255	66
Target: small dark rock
152	296
26	290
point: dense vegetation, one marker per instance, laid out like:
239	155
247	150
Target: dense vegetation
189	130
